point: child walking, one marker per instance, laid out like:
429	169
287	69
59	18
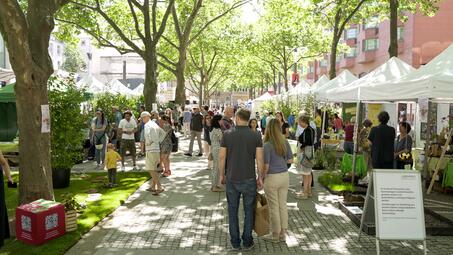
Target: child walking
111	159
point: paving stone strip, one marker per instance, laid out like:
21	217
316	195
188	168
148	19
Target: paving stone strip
189	219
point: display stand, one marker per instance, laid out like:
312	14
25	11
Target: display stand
436	171
398	206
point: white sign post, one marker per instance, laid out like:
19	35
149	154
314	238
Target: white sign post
398	205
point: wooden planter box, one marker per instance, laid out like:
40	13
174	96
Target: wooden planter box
71	221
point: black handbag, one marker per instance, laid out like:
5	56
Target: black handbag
175	142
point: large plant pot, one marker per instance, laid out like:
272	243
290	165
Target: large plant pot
61	178
71	221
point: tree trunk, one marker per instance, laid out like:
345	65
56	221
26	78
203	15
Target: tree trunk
393	47
35	173
285	79
333	57
151	83
180	94
334	46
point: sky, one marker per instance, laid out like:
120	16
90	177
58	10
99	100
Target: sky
250	12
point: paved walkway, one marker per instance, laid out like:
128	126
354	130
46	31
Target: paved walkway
189	219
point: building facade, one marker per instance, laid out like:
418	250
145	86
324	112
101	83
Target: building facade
420	39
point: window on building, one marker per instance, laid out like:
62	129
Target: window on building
2	53
58	64
311	69
58	50
83	43
370	44
351	33
371	23
352	53
323	63
400	33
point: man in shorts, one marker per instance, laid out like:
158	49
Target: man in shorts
127	129
154	135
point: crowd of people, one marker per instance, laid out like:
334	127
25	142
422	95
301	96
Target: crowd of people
244	153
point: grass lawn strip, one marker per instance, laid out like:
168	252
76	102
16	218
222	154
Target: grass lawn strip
80	186
334	181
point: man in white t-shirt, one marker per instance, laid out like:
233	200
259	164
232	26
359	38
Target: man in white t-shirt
127	129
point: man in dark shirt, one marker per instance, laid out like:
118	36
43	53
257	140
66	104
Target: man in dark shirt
382	140
240	148
196	128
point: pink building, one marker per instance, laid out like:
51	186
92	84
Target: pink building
420	39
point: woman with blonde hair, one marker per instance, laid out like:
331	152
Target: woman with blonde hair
277	154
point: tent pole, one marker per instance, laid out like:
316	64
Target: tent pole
356	129
323	125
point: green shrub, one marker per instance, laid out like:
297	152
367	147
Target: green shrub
334	181
67	122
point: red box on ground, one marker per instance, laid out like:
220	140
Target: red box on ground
40	221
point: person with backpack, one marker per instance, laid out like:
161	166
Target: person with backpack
98	126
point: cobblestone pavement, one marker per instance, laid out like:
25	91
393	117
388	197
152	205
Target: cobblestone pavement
189	219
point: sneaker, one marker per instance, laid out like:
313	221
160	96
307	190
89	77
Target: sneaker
135	168
236	248
249	248
188	154
98	166
123	169
199	154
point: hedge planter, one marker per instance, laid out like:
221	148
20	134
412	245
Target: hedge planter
61	178
71	221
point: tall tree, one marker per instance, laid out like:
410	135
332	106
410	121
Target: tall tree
128	26
283	41
190	20
397	10
73	60
337	14
26	27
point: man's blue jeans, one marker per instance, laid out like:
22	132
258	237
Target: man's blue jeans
234	189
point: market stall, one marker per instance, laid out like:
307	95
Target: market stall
256	104
429	85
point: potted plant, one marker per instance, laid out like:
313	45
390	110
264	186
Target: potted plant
71	207
67	123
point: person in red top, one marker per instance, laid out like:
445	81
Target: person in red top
349	137
337	123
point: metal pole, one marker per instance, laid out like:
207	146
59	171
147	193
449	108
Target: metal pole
356	129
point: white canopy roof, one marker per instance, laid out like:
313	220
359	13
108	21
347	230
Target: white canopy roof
321	81
300	89
91	84
115	86
6	75
343	79
390	70
434	80
138	91
264	97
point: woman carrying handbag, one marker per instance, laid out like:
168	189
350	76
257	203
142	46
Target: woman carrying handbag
305	156
403	147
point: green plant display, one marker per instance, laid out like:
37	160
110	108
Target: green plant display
70	203
67	122
334	181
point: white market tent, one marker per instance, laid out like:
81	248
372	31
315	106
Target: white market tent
138	91
91	84
6	75
343	79
392	69
302	88
321	81
434	81
256	103
115	86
